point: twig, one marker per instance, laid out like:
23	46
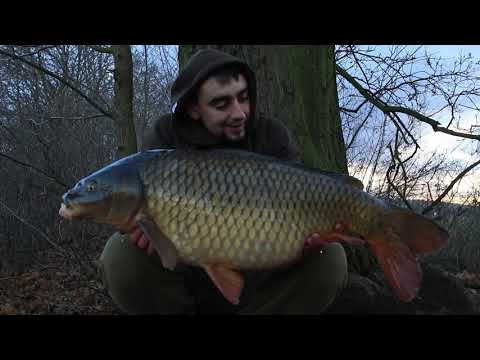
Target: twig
34	168
73	118
359	128
61	79
449	187
39	50
25	222
9	277
390	182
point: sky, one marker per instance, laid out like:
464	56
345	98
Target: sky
454	147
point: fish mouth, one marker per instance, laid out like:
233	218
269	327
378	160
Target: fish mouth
70	211
67	211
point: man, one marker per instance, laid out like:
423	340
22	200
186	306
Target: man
214	100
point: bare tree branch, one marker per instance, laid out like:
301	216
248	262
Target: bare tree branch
390	181
38	50
61	79
34	168
399	109
355	134
73	118
449	187
56	246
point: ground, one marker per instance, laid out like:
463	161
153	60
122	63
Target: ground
64	285
60	284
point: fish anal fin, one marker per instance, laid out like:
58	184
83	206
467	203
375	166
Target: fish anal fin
228	281
400	266
166	249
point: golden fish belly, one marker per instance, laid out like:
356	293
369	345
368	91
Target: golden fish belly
248	214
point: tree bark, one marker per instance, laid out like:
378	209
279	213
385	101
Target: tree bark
296	84
123	101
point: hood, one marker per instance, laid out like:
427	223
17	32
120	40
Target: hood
197	69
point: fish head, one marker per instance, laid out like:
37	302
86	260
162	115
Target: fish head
112	195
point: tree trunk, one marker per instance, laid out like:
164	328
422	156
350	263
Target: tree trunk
123	102
296	84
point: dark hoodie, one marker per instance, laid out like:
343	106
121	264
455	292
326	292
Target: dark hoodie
179	130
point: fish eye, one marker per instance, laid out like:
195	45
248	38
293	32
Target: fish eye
92	186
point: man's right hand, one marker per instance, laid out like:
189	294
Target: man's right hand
138	238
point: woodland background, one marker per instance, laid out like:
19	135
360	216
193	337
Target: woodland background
63	115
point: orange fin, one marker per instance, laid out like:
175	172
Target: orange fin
403	235
228	281
316	239
400	267
418	232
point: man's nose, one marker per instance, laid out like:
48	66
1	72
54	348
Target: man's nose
239	112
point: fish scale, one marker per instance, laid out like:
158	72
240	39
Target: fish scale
233	204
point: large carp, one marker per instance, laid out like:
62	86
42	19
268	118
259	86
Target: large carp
228	211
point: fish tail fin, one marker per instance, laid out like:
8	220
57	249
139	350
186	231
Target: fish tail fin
403	235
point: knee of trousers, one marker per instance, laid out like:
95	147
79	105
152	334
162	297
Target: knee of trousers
308	287
138	283
325	274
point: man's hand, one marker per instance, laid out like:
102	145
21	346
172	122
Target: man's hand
138	238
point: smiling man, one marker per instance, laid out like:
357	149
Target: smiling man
213	102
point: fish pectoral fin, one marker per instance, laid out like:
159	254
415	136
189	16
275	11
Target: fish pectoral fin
167	251
228	281
400	266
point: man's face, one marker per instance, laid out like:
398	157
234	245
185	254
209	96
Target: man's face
224	109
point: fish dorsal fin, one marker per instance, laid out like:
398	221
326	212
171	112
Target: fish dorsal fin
347	179
350	180
166	249
228	281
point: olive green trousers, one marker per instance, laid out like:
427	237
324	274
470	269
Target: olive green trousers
138	284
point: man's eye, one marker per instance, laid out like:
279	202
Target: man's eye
91	187
222	105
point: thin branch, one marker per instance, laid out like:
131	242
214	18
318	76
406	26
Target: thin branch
73	118
39	50
101	49
56	246
353	110
34	168
449	187
61	79
399	109
359	128
390	182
